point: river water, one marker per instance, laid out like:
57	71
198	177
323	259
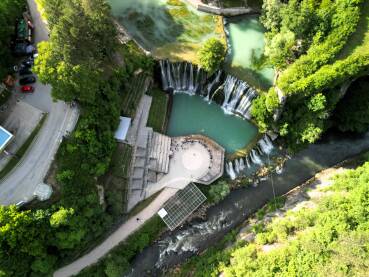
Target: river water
170	29
194	115
174	247
246	47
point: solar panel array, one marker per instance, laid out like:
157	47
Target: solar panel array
181	205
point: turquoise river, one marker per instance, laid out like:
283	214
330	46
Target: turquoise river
193	115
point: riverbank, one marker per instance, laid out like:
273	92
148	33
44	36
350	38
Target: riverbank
175	247
273	227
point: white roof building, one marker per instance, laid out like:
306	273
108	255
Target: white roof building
121	133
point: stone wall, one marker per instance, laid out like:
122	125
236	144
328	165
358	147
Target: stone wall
227	11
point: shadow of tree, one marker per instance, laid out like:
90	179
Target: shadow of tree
252	77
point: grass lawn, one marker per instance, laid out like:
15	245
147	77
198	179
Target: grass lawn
22	150
139	67
158	110
133	94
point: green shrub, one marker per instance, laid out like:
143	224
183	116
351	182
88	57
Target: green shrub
117	262
212	54
218	191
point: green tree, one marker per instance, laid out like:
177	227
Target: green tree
280	49
76	72
10	10
303	41
219	191
211	55
61	217
25	237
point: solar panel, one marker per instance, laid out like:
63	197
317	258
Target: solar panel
181	205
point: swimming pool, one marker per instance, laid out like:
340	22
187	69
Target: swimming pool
5	138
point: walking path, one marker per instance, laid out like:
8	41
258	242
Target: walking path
118	236
21	182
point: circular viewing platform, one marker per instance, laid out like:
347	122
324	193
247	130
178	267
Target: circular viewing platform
200	156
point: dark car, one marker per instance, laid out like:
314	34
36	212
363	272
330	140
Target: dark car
28	62
27	80
24	71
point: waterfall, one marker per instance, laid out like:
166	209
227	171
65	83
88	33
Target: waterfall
210	86
184	78
177	70
263	147
169	73
255	158
229	85
242	164
237	166
244	106
191	86
238	97
187	78
198	72
163	75
238	93
266	144
230	170
247	162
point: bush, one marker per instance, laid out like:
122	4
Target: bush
218	191
117	262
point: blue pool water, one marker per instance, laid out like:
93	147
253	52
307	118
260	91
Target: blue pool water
4	137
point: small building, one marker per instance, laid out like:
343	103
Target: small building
5	138
179	207
121	133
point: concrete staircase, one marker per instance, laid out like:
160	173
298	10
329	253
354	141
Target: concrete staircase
151	153
159	153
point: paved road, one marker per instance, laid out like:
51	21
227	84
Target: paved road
20	184
118	236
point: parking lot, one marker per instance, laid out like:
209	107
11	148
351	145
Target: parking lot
22	119
21	183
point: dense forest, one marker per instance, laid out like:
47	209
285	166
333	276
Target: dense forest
318	48
34	242
10	10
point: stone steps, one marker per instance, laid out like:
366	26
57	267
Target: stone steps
159	153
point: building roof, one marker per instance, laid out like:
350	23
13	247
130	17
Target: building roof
121	132
5	138
181	205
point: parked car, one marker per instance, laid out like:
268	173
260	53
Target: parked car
27	80
24	71
28	62
27	89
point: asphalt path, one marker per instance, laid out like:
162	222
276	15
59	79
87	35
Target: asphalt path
20	183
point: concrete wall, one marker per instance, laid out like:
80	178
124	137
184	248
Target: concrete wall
227	11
